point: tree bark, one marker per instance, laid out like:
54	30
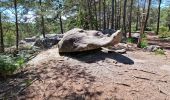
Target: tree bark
1	35
115	15
147	15
120	10
130	18
124	18
108	17
90	13
95	10
159	9
104	14
16	24
100	22
137	17
112	26
61	25
42	21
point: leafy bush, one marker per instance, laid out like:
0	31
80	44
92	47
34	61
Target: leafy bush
163	29
164	35
160	52
9	64
144	43
130	40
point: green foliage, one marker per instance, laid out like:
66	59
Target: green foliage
130	40
160	52
9	38
144	43
164	33
9	64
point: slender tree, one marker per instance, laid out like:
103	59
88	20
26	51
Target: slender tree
124	18
42	20
147	14
159	9
115	15
104	14
96	17
112	25
130	18
16	24
119	14
61	25
100	22
137	16
1	35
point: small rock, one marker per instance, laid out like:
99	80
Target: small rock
152	48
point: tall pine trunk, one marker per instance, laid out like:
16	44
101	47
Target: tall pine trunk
90	13
61	25
100	22
95	10
1	35
115	15
42	21
147	14
159	9
108	17
112	25
16	24
137	17
124	18
130	18
104	14
120	10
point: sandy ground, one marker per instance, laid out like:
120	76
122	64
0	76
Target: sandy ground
136	75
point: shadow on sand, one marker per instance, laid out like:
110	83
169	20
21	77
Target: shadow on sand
97	55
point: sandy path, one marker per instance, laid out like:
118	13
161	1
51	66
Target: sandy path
136	75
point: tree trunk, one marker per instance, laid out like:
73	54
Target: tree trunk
108	17
137	17
112	26
42	21
130	18
124	18
100	22
95	10
147	15
115	15
159	9
1	35
16	24
61	25
104	14
119	20
142	29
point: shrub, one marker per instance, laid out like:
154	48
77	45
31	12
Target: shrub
164	34
130	40
160	52
144	43
9	64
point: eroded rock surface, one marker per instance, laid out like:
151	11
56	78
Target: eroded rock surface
77	40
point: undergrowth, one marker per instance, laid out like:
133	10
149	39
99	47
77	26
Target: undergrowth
10	64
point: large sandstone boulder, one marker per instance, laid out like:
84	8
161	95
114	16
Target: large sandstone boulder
77	40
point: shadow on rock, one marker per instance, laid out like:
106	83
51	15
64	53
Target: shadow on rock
97	55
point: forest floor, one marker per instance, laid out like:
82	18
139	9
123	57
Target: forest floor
136	75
